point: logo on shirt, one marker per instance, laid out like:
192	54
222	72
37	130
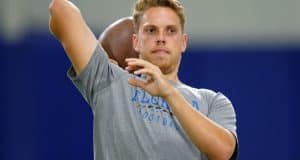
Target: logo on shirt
155	109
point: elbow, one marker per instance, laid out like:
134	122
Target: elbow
227	148
62	7
225	152
59	11
62	13
53	9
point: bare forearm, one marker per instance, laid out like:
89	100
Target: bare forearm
209	137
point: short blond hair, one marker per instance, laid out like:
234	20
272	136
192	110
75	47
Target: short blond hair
142	5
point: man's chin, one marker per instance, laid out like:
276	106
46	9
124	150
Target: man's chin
161	63
164	68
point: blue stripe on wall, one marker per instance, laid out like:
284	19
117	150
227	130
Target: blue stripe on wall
44	117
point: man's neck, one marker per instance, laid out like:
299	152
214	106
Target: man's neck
173	76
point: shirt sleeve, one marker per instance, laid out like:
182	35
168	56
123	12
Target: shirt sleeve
222	112
98	74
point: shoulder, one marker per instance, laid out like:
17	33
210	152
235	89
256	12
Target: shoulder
203	92
216	98
207	92
209	95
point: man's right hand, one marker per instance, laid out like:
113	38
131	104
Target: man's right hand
68	26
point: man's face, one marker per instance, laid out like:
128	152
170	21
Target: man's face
160	39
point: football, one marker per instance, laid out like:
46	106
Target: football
116	40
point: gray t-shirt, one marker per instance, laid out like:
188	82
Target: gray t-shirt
130	124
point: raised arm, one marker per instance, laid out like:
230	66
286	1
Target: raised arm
68	26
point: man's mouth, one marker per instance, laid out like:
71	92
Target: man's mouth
160	51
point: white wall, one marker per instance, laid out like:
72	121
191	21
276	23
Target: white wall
207	20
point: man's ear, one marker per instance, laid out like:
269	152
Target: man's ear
184	42
135	42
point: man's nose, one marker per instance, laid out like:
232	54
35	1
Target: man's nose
161	38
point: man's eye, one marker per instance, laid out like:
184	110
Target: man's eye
171	30
150	30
